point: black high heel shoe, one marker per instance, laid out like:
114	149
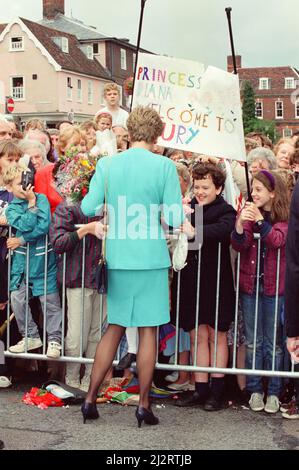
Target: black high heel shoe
89	411
142	414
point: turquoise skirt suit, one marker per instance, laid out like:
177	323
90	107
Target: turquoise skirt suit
140	187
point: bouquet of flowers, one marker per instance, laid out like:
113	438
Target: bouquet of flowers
128	86
73	173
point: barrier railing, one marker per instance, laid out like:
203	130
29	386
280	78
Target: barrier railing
193	366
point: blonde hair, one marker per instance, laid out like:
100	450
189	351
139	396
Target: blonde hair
183	172
34	124
109	87
65	136
103	115
144	124
281	142
11	173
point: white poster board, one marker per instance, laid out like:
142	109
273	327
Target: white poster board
201	108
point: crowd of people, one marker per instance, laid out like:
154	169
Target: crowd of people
45	211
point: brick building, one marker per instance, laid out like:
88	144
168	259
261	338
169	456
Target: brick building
116	55
276	96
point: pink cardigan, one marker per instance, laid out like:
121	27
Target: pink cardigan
274	237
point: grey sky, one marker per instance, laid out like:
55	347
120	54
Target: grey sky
265	32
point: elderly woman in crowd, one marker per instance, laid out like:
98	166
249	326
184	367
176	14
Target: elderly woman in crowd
36	151
284	151
261	158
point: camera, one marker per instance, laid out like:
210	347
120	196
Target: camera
27	178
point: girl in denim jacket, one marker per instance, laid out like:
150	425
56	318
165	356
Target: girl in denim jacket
262	282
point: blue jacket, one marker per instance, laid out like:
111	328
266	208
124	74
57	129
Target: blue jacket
32	225
140	187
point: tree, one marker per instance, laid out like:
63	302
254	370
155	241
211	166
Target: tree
250	122
248	106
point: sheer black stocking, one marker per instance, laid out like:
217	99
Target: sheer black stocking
146	360
105	354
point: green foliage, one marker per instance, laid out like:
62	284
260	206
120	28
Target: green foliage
250	122
248	104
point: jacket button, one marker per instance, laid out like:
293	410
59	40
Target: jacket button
252	262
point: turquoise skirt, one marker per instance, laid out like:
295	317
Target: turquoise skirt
138	298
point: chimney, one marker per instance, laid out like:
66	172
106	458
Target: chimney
52	7
230	64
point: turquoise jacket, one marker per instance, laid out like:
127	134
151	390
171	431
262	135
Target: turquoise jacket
32	225
140	187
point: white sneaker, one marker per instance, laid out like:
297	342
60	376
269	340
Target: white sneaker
180	387
32	343
172	377
272	404
256	402
4	382
54	349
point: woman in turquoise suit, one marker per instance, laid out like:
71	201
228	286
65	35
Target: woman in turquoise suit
140	187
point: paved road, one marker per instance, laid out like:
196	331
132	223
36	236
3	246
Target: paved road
27	427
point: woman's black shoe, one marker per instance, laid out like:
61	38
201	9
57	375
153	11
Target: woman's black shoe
213	405
89	411
142	414
126	361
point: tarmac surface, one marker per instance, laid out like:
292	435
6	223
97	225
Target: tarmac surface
24	427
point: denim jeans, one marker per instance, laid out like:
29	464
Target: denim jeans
264	340
53	313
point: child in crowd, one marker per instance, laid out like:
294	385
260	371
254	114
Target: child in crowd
29	216
218	223
266	216
9	154
103	121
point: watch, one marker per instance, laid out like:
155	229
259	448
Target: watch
259	223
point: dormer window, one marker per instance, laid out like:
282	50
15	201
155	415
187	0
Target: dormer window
63	43
87	50
17	44
289	83
264	84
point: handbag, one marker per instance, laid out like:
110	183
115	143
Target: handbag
180	253
102	267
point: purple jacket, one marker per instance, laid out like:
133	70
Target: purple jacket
274	237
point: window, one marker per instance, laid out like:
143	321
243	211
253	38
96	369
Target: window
62	43
264	84
134	61
17	44
90	92
279	110
259	110
89	52
287	132
297	109
95	48
18	88
69	89
65	45
123	59
79	91
289	83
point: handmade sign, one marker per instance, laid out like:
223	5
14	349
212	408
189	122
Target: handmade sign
201	108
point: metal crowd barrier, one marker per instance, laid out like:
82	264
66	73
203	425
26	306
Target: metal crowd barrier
233	370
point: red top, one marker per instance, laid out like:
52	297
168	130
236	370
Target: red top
44	184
